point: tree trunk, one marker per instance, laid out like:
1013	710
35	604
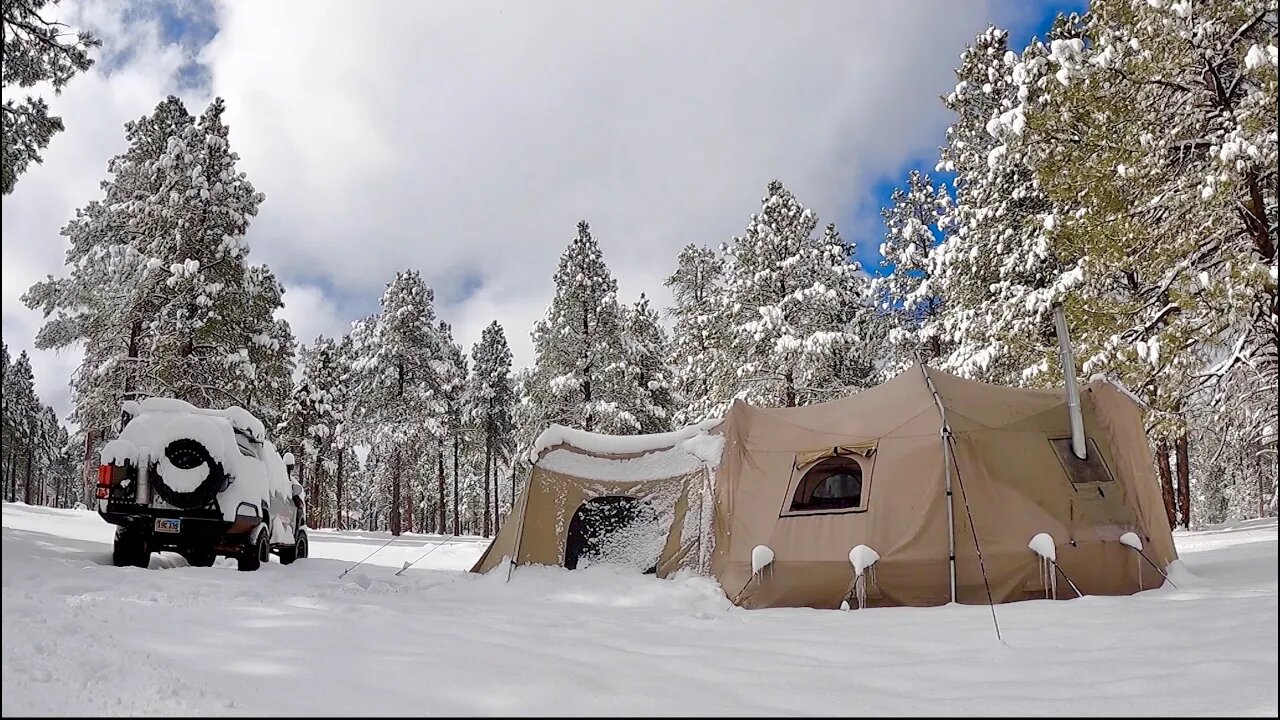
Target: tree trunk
1184	481
395	493
455	483
408	505
441	516
790	397
1166	482
86	480
342	520
26	486
488	458
12	481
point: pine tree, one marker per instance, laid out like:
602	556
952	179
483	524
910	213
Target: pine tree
647	379
397	354
576	380
697	355
159	293
36	51
905	290
996	270
490	402
452	378
309	428
797	309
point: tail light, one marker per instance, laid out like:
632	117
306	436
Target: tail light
108	476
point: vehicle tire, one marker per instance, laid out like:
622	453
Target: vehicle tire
130	548
298	551
200	557
254	555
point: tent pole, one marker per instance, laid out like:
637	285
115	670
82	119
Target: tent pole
945	435
520	531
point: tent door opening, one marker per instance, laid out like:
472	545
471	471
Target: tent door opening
616	530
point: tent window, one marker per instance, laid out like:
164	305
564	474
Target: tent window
834	483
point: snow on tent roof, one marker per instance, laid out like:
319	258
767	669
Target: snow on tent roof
650	457
239	418
599	444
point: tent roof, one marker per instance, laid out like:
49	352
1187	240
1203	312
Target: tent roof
900	407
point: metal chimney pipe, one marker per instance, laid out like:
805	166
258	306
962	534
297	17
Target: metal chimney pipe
1069	374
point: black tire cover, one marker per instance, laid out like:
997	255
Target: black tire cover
187	450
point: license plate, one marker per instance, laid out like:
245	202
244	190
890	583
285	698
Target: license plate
168	525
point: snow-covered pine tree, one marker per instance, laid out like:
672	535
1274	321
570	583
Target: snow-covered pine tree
398	350
996	270
698	336
36	51
490	401
1157	123
22	409
646	378
309	428
797	309
453	425
114	292
904	289
576	379
847	333
160	293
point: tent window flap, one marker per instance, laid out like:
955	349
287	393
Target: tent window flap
833	483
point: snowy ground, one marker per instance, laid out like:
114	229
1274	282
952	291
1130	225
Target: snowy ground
82	637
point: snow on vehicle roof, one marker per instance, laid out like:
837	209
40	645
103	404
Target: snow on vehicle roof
239	418
659	456
601	444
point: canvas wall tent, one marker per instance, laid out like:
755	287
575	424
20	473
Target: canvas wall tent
813	482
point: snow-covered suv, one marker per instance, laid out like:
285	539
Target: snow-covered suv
200	482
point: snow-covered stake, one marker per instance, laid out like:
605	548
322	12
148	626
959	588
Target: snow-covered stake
437	546
1044	546
1131	539
761	558
863	559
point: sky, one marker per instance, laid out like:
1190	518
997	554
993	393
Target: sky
467	139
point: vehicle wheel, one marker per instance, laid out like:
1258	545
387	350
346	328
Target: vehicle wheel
297	552
130	548
200	557
254	555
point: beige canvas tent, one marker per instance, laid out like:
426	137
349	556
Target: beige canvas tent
873	469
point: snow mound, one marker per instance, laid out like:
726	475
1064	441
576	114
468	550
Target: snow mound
239	418
119	452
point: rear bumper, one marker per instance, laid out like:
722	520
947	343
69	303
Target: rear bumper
199	529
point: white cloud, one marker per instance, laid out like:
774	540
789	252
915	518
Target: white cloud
467	139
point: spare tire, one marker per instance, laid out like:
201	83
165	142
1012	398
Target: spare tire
187	454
